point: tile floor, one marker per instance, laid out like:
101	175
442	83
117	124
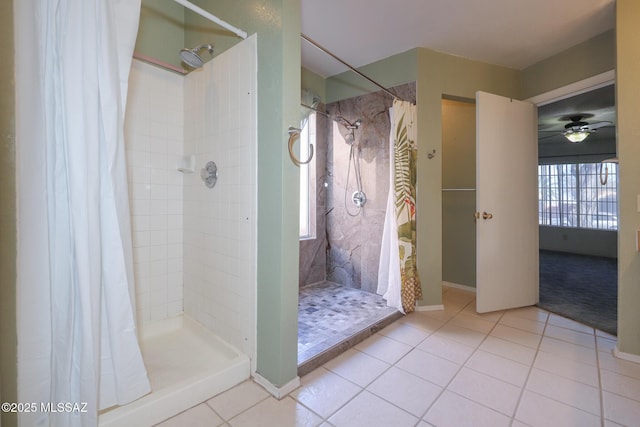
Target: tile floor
522	367
329	313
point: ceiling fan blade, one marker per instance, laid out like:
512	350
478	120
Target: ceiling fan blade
599	125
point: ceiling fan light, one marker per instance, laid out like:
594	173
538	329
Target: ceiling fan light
576	136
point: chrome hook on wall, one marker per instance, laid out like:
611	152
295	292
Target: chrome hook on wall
294	133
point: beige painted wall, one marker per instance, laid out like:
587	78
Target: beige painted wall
458	172
628	128
587	59
8	371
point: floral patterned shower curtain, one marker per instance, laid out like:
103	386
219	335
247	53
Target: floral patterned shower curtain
404	128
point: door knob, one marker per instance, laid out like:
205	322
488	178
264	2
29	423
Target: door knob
486	215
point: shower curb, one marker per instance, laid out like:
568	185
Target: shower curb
344	345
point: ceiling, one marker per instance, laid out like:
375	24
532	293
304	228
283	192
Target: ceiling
596	106
511	33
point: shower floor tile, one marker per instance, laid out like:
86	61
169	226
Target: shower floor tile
329	313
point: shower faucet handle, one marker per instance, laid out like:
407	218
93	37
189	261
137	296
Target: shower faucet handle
209	174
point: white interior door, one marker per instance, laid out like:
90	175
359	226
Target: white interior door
506	203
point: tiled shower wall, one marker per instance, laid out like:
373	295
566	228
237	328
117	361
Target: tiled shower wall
355	241
220	223
153	138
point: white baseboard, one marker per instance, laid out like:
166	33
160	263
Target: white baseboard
458	286
626	356
435	307
277	392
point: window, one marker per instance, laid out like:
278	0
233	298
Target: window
572	195
307	177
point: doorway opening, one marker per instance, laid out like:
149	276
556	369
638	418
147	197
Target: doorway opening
578	209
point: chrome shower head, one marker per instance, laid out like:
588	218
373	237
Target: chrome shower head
191	56
347	124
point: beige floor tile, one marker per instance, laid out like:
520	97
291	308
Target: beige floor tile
282	413
614	364
488	391
357	367
565	390
384	348
499	367
422	321
472	322
605	344
509	350
429	367
563	322
368	410
620	409
241	397
447	349
576	371
494	316
569	335
324	392
405	390
516	335
198	416
531	313
568	351
452	410
405	333
523	323
619	384
464	336
540	411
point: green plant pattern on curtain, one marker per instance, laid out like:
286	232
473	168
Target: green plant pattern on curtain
405	161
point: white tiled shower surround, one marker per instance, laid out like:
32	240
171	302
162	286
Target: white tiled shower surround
195	247
154	144
220	120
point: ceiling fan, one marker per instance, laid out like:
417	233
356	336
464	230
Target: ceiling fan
578	130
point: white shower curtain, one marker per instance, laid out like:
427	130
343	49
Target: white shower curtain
84	49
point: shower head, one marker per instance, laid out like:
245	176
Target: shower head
191	56
347	124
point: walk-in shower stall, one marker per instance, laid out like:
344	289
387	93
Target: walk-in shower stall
351	186
194	245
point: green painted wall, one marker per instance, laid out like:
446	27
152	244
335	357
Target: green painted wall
458	172
161	30
441	75
277	24
8	226
628	129
315	83
389	72
586	59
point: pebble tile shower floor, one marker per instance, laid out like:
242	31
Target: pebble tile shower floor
329	313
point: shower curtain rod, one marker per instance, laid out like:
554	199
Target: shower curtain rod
212	18
370	80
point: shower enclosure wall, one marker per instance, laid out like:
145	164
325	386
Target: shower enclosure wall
352	252
194	247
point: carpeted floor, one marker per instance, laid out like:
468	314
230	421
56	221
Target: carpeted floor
582	288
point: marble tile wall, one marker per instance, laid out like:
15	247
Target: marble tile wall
354	241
